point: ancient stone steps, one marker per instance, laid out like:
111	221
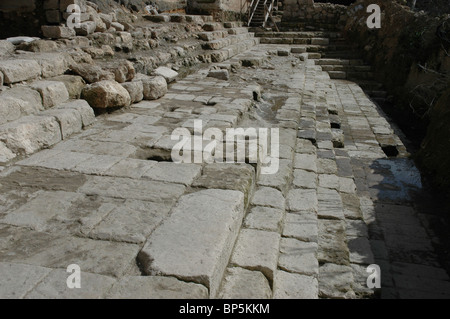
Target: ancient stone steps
224	42
233	24
306	41
236	31
298	35
232	50
212	35
31	133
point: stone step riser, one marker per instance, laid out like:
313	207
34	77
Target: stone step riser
230	40
236	31
298	35
229	52
213	35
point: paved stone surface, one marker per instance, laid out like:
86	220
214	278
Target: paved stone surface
18	279
294	286
54	286
257	250
156	287
241	283
102	191
205	237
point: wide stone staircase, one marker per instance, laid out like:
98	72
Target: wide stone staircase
226	39
42	82
331	51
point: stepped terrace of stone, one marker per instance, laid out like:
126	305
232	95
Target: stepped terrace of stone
87	175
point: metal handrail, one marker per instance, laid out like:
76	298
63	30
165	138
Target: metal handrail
254	4
252	10
268	11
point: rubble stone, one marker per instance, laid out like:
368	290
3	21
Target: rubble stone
106	94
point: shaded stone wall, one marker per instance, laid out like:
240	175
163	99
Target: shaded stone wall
25	17
306	14
410	57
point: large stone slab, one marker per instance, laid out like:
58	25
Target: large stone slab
200	234
54	286
59	251
332	242
5	153
174	173
298	256
17	102
257	250
131	222
302	200
241	283
95	147
17	279
92	73
330	204
52	92
228	176
56	32
135	89
268	197
123	70
84	110
30	134
154	87
294	286
74	84
335	281
301	226
169	74
264	218
52	64
36	213
132	189
19	70
156	287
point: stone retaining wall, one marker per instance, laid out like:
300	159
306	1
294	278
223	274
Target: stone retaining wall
305	14
25	17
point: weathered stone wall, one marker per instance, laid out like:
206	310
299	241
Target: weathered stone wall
306	14
25	17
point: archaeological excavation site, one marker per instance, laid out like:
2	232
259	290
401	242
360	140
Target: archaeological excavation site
224	149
